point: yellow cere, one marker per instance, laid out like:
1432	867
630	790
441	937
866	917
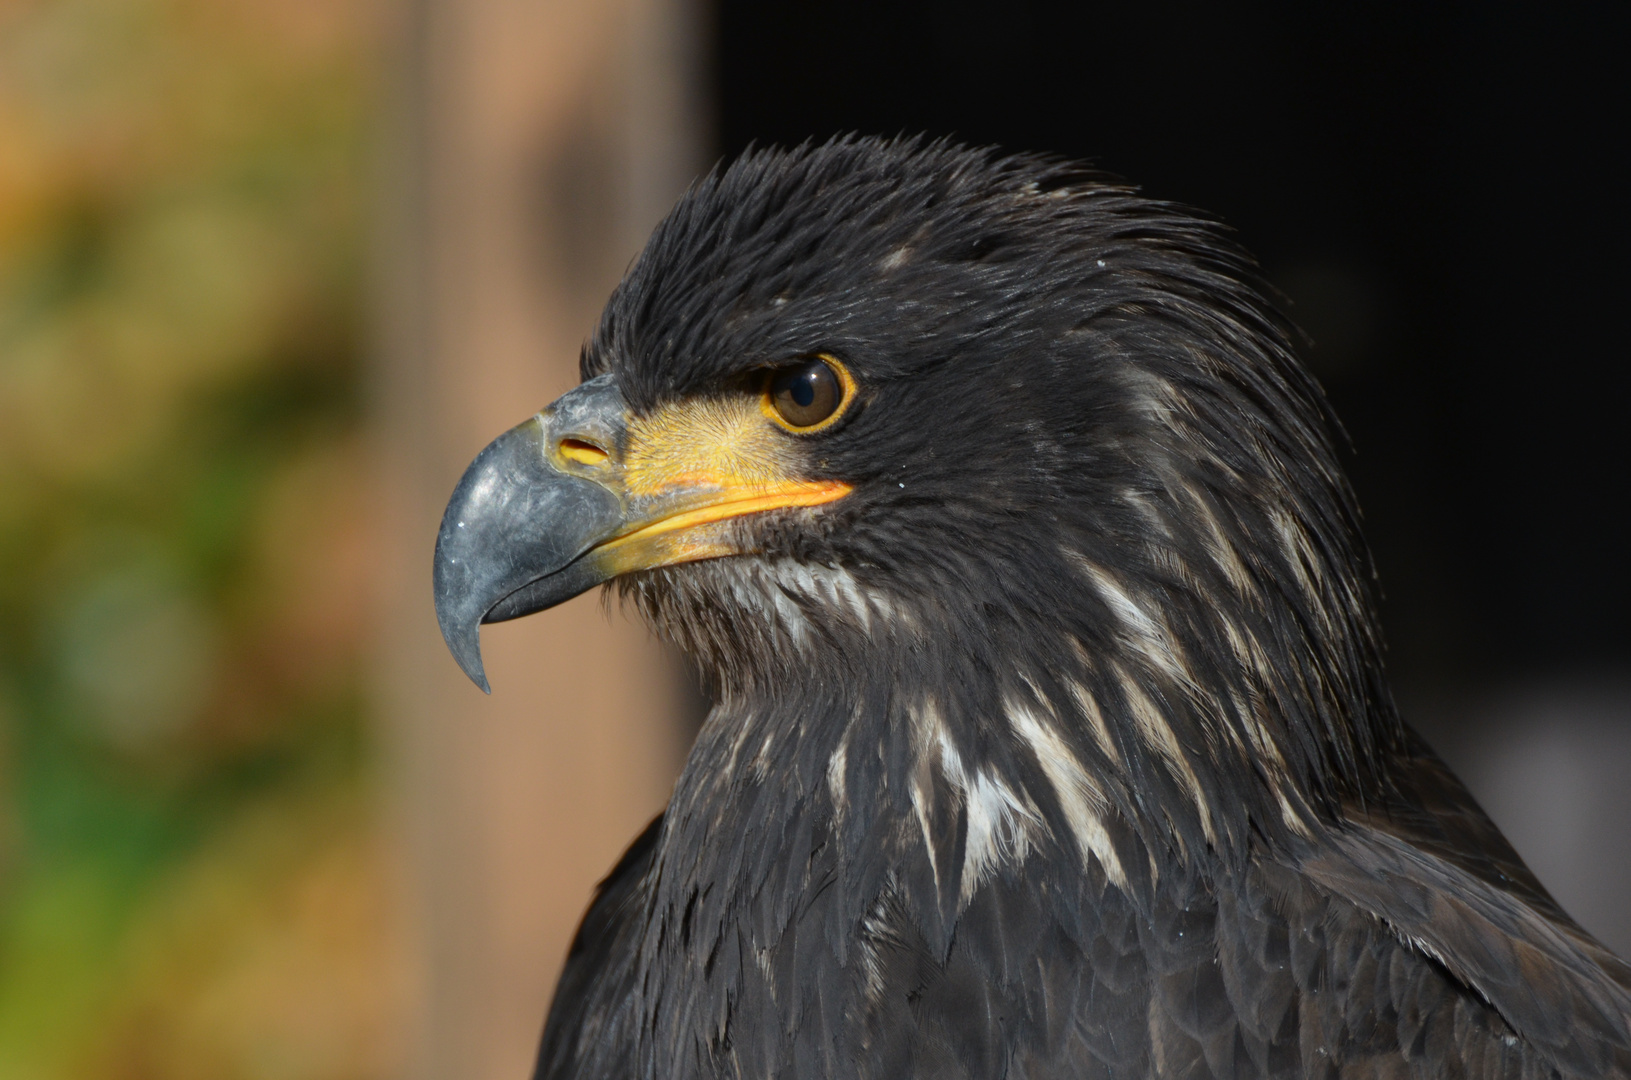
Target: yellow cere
699	464
720	443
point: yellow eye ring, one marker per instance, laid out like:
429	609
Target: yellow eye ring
809	394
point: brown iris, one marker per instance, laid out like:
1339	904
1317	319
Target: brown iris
806	394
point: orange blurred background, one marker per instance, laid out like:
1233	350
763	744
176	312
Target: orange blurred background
194	879
271	271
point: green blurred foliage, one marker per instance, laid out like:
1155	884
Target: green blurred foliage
191	882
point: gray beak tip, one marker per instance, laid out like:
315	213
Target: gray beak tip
468	654
462	633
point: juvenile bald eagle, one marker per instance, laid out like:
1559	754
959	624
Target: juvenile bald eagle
1051	736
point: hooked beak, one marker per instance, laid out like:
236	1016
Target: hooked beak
582	493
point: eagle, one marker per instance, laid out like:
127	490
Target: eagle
1050	733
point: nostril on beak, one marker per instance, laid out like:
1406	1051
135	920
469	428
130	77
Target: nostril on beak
582	452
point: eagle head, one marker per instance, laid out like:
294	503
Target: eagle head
990	445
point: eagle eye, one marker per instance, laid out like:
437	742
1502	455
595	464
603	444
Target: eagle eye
809	394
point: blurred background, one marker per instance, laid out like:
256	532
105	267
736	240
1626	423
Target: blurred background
272	271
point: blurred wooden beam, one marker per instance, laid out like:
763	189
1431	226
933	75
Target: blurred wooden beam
535	144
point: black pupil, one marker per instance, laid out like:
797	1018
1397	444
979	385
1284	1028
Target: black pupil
806	394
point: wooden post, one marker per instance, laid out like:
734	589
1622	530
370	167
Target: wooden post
535	145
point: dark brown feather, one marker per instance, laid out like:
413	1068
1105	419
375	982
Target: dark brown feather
1062	746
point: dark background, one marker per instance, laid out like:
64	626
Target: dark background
1439	192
